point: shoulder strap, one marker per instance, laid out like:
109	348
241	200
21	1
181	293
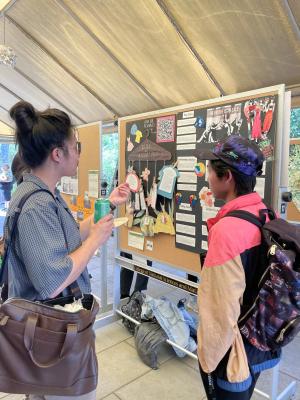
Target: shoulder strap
17	213
247	216
10	235
75	290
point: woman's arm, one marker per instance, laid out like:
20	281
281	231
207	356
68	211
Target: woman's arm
99	234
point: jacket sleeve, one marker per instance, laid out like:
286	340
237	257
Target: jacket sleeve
220	293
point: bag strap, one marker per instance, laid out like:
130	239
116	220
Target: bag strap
246	216
74	287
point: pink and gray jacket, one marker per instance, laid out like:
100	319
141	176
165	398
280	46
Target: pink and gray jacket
227	284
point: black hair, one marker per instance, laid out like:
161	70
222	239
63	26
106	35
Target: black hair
244	184
18	167
38	133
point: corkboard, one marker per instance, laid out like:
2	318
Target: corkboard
164	249
293	213
89	136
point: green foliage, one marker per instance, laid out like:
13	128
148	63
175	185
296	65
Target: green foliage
295	123
294	164
110	156
294	173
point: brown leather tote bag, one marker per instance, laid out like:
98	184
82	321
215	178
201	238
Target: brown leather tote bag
44	350
47	351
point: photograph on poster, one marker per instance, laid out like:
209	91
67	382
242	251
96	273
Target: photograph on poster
222	122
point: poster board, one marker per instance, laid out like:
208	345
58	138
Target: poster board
89	136
163	247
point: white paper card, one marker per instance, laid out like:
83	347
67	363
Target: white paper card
186	139
204	230
264	168
187	229
93	183
189	188
182	147
189	241
185	217
185	130
188	177
209	212
136	240
185	207
204	245
187	121
186	163
188	114
69	185
167	181
149	245
260	187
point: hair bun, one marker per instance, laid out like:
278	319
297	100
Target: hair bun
24	115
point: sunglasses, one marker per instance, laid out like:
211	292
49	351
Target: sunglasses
78	147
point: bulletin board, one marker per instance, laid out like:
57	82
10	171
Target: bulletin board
89	136
180	131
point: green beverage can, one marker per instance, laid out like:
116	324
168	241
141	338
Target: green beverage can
102	208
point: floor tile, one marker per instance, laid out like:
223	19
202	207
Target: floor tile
191	362
13	396
265	381
110	335
174	380
291	364
118	366
165	351
111	397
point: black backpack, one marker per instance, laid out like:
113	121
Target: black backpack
134	310
273	320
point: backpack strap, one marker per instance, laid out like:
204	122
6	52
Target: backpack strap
74	287
247	216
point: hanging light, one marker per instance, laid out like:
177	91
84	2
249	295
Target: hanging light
7	55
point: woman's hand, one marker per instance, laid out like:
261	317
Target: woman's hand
120	194
102	230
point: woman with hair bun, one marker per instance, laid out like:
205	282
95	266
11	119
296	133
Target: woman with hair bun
50	251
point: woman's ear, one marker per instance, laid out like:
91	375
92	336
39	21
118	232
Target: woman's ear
56	154
228	178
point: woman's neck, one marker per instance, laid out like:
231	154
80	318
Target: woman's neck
48	176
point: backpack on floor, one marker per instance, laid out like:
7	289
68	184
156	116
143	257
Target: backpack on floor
273	320
133	309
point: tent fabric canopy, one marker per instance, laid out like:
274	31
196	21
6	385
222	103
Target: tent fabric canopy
102	59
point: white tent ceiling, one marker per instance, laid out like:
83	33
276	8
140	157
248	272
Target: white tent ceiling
100	59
